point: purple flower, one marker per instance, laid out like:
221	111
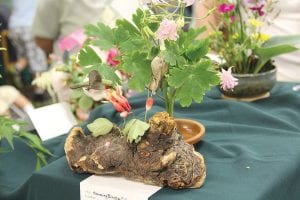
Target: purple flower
167	30
258	9
225	8
228	82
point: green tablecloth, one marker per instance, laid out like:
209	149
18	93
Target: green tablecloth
252	151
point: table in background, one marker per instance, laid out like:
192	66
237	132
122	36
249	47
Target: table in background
252	151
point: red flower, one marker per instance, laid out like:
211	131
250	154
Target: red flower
149	103
119	102
225	8
112	54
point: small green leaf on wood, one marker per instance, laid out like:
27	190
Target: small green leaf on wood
85	102
135	129
100	126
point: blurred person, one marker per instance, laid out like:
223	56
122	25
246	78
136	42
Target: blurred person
286	23
9	95
56	19
20	22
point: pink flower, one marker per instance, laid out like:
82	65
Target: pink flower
189	2
119	102
228	82
75	39
149	103
225	8
232	18
112	54
167	30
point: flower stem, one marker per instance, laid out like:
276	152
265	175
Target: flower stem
169	96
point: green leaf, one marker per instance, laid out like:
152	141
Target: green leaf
107	72
103	35
100	126
34	142
87	56
198	50
77	93
124	24
275	46
187	38
192	81
135	129
138	17
85	102
139	69
8	134
132	45
282	40
170	57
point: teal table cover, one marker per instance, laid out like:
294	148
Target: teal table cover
251	149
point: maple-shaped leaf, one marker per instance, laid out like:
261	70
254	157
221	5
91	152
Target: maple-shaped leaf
139	70
103	35
123	24
198	50
187	38
87	56
192	81
135	129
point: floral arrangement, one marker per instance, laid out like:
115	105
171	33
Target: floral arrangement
156	54
67	80
239	38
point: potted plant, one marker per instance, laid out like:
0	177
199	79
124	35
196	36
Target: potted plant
245	49
156	55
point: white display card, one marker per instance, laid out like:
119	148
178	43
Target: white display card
52	120
114	187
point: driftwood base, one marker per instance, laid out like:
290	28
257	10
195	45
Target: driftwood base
160	158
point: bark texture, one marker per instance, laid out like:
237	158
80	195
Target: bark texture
160	158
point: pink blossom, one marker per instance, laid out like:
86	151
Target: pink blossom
232	18
149	103
189	2
112	54
124	114
225	8
167	30
228	82
75	39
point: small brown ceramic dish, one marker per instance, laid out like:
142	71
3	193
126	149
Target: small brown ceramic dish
191	130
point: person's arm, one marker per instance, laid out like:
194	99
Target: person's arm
45	44
200	10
